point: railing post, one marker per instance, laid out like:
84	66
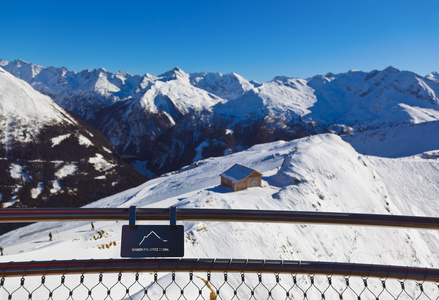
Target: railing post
133	216
173	216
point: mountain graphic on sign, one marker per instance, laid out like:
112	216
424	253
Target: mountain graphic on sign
149	234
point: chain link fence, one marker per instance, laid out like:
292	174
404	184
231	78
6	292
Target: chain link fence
219	279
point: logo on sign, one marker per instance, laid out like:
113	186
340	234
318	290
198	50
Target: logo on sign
152	232
152	241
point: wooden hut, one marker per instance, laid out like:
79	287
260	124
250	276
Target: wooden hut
240	178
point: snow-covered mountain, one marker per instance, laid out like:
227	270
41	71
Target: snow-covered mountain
398	141
161	123
318	173
83	93
366	101
50	158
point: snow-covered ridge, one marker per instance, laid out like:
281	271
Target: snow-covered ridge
21	104
354	98
319	173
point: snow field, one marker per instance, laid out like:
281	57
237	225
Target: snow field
318	173
307	181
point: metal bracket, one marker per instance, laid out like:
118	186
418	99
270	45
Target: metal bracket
173	215
133	216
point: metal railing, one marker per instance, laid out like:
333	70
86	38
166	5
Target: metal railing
216	265
214	278
216	215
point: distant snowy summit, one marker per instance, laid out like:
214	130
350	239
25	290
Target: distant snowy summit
161	123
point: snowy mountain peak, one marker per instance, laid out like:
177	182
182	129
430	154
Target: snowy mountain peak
22	69
433	76
391	69
21	103
228	86
281	78
318	81
93	72
124	74
236	75
177	69
173	74
21	61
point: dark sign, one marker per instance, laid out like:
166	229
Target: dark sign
152	241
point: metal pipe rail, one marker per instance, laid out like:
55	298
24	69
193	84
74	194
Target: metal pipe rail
216	215
216	265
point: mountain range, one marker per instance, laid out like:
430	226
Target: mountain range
162	123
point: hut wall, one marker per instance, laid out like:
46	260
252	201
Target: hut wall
254	180
239	186
226	182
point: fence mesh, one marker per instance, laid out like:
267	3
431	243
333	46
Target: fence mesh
210	286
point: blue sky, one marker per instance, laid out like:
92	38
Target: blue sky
256	39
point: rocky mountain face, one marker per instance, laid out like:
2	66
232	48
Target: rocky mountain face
51	158
161	123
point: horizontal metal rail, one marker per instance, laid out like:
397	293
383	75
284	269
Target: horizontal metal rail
216	215
216	265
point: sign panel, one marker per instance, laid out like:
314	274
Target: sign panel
152	241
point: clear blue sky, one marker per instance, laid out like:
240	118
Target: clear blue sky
256	39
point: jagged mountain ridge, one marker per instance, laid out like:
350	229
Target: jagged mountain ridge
163	122
50	158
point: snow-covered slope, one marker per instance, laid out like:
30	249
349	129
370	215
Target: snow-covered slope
49	157
374	100
319	173
21	104
397	141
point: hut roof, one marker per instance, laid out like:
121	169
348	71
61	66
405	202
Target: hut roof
237	173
